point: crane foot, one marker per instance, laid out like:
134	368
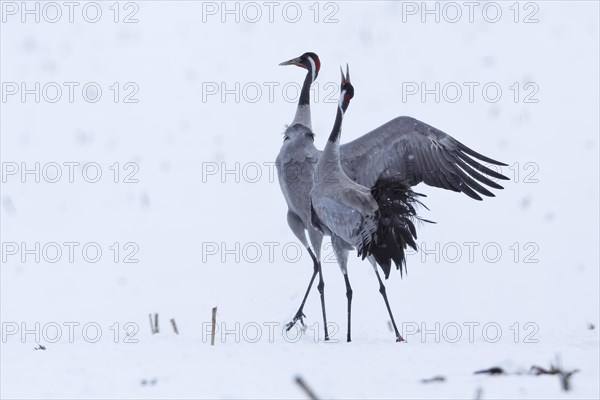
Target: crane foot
299	317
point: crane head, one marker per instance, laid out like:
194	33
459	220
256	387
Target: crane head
346	89
309	61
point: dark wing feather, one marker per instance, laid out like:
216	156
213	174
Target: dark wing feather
415	152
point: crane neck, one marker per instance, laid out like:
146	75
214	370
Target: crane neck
331	152
303	110
336	131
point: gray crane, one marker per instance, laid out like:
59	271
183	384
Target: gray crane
377	217
378	226
388	160
295	170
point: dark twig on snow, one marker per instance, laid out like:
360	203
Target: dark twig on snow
563	375
153	323
555	369
307	390
174	326
214	326
491	371
437	378
535	370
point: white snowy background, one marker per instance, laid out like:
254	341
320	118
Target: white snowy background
204	240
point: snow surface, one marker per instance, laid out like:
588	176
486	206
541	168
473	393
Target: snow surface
176	215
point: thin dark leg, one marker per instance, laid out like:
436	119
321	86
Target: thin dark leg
349	297
300	314
321	288
399	338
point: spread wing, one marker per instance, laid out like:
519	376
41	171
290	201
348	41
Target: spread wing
411	150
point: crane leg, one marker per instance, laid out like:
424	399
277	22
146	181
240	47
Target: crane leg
321	288
399	338
349	297
341	253
300	313
316	238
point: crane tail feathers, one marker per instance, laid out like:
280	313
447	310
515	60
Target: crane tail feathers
396	224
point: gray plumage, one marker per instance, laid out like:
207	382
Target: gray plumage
341	207
295	165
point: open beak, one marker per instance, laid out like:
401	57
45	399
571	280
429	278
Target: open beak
345	79
293	61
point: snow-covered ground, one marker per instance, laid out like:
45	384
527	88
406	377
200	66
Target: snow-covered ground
509	282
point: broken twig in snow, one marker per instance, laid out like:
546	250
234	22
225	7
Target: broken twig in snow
437	378
563	375
308	391
153	323
174	326
491	371
214	326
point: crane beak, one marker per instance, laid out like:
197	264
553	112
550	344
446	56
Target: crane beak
345	79
346	89
293	61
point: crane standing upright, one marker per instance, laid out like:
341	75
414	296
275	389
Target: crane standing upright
377	221
295	170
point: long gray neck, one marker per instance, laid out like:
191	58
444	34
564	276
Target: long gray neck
303	111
